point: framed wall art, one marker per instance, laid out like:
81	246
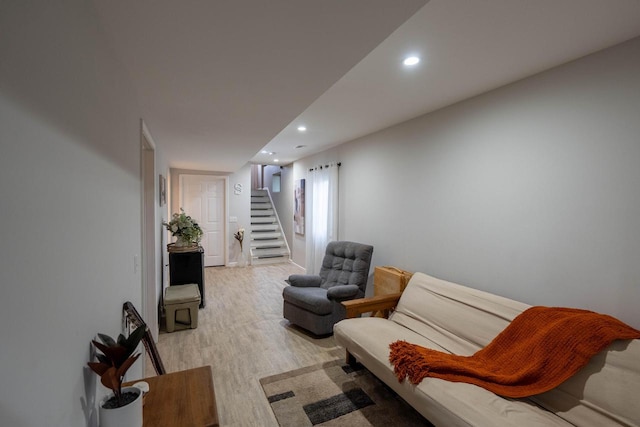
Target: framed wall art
162	188
298	207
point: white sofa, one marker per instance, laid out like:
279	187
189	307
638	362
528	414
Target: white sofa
453	318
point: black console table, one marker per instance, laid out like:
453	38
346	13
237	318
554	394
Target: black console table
187	267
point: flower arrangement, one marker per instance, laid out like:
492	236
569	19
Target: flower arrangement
116	359
185	228
239	235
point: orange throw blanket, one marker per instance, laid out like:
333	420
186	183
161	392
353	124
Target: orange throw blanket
541	348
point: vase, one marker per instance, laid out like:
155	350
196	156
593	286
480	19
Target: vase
242	260
181	242
128	415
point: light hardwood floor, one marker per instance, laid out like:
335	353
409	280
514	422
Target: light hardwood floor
241	333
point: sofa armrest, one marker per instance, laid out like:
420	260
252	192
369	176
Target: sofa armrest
304	281
342	292
385	303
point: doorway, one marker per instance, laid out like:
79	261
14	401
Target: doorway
203	197
149	258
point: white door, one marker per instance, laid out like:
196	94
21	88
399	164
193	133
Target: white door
202	197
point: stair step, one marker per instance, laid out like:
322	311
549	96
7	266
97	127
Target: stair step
270	256
262	252
260	199
260	206
263	220
274	260
258	193
261	212
267	244
272	233
264	235
259	228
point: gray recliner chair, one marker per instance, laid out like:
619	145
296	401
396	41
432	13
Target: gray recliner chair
313	302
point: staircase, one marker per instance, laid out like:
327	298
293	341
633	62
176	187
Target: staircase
268	244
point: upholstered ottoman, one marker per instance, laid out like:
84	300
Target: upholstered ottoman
181	305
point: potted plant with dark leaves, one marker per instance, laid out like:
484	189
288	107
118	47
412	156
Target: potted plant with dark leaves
124	406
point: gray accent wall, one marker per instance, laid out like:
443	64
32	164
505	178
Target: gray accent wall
531	191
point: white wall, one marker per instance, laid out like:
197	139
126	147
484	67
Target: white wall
70	189
240	207
529	191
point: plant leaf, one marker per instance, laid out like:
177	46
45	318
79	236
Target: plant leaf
104	359
98	368
135	338
111	380
107	340
122	340
116	355
102	347
127	364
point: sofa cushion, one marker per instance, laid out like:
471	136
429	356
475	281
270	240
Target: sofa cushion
441	402
605	392
466	319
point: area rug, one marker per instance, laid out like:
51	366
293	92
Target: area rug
336	394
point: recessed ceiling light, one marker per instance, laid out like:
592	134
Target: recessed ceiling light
276	160
264	152
411	60
302	128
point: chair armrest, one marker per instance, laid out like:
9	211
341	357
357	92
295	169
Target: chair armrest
384	303
342	292
304	281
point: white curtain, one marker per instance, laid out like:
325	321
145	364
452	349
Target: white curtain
322	211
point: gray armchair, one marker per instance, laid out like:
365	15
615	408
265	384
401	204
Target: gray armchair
313	302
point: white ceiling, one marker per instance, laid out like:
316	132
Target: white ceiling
220	80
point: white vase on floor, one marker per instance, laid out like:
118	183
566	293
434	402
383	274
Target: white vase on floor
242	260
